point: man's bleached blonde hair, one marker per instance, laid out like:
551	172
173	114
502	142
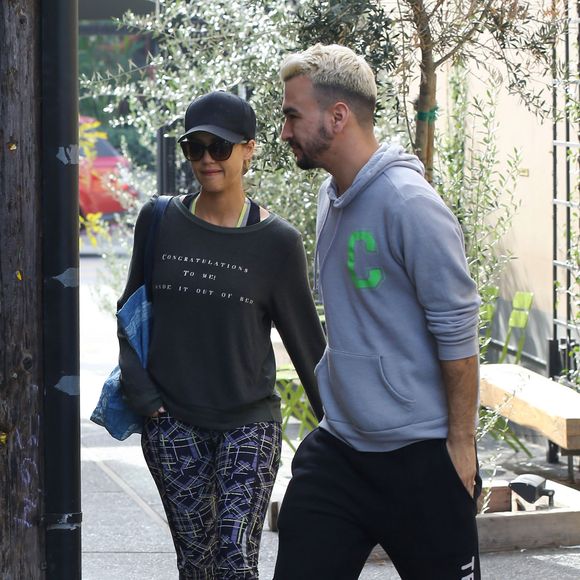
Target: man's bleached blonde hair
337	73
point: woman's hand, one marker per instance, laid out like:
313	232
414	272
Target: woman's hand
158	412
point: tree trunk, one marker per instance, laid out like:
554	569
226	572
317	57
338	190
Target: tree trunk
426	113
427	101
21	536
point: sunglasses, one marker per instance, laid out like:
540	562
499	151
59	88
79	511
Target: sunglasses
219	150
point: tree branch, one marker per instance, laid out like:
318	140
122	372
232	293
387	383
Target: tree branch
405	83
463	39
435	8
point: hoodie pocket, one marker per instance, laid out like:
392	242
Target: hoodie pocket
362	395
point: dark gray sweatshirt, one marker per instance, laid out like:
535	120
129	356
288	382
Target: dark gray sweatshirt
216	292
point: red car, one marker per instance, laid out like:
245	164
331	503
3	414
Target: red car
100	190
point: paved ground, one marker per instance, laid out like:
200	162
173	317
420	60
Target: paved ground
125	535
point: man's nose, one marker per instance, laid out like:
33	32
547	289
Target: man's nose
286	133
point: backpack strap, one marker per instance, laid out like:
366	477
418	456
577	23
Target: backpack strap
254	215
159	208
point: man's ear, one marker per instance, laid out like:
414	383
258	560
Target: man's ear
340	115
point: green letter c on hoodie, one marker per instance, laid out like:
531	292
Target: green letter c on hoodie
374	275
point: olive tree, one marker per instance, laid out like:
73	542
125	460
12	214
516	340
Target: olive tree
234	45
509	40
239	44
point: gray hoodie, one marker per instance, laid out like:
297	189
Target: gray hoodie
398	298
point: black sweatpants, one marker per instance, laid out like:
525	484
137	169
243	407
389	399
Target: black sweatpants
341	503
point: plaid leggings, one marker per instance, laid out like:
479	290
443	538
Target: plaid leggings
215	487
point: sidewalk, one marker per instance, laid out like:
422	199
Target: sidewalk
125	534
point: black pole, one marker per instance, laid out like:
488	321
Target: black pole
554	367
166	174
567	100
161	160
60	269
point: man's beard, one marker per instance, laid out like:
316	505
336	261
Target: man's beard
312	149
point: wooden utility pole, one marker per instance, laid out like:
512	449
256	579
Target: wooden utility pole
40	515
21	529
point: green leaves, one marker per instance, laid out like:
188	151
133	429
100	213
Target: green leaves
363	25
238	45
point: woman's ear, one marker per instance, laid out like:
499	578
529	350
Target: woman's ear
249	148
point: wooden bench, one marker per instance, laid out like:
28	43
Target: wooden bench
532	400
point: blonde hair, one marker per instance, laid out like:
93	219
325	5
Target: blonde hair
336	71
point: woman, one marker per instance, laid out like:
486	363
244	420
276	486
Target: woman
224	270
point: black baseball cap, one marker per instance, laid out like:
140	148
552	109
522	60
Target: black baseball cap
222	114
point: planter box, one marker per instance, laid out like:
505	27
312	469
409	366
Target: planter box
533	528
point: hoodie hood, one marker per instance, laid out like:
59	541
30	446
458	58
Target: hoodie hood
385	157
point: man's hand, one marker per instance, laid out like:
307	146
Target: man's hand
462	456
158	412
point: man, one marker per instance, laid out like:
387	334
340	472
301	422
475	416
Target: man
393	461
